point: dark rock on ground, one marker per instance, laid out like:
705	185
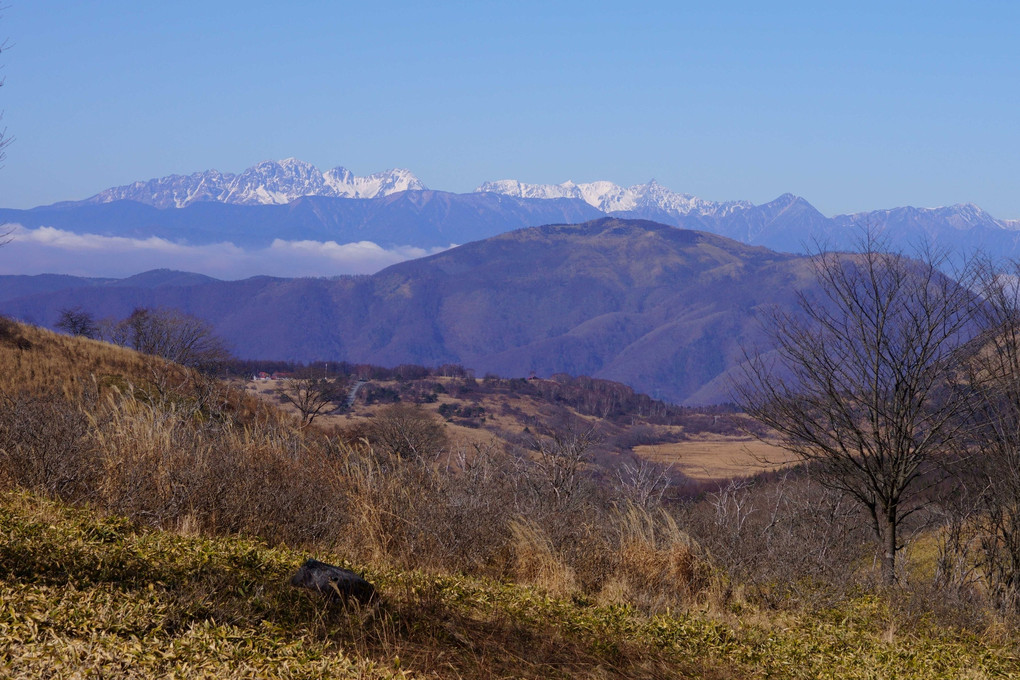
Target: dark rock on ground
333	582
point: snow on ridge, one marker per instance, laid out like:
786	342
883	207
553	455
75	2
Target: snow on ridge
960	216
283	181
609	197
265	183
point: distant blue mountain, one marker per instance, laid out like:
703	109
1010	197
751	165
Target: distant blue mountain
292	200
664	310
426	219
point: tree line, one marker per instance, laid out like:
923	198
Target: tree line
161	331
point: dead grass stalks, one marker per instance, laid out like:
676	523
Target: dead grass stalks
537	561
658	565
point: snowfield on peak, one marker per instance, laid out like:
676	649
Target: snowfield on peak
612	198
423	218
268	182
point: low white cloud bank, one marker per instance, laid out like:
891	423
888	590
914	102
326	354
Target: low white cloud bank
46	250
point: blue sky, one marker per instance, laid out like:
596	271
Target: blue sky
854	106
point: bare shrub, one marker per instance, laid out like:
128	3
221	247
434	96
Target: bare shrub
791	540
557	463
407	431
44	446
481	499
643	483
956	521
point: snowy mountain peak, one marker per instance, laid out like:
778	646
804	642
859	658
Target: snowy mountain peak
267	182
279	182
612	198
339	175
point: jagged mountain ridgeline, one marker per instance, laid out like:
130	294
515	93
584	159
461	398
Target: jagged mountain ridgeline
424	219
269	182
660	295
293	200
664	310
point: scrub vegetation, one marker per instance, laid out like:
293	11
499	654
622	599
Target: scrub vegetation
151	516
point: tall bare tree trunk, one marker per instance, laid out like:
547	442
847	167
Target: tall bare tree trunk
862	378
889	544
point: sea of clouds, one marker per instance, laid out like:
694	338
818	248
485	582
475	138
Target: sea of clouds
47	250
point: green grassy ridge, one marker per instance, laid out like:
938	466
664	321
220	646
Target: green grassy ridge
90	595
81	594
81	591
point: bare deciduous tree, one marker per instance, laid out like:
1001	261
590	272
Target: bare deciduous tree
312	396
407	431
173	335
860	379
76	321
182	340
992	372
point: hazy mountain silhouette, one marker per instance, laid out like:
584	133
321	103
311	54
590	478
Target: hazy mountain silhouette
427	219
664	310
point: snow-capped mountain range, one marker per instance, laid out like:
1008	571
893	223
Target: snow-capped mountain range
962	216
281	182
394	208
268	183
612	198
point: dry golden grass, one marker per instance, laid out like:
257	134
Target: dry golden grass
537	562
713	457
50	363
116	597
658	565
38	363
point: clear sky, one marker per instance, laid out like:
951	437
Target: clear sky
854	106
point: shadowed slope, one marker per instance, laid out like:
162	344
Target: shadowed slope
661	309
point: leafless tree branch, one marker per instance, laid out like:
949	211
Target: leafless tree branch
860	378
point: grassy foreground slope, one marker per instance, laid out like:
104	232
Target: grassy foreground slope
90	596
195	584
